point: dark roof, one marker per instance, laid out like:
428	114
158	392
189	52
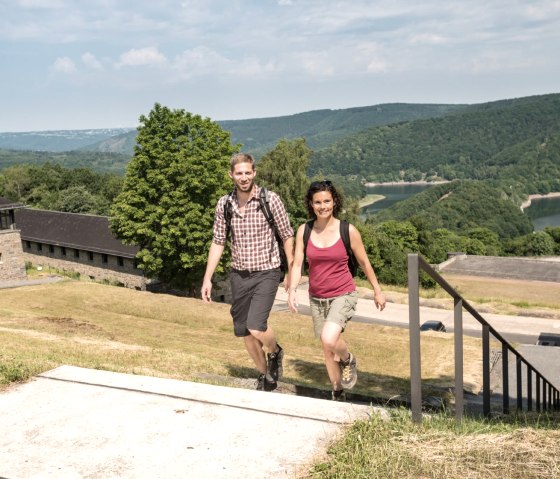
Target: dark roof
6	204
73	230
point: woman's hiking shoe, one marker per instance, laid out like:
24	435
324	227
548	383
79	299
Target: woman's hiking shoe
339	395
349	372
274	368
264	385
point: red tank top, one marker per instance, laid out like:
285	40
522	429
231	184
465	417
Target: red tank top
329	275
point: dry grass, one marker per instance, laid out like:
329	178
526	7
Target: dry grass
97	326
488	295
526	448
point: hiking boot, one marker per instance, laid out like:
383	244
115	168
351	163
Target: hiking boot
260	382
339	395
270	385
349	372
274	368
264	384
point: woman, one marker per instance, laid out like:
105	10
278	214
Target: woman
332	291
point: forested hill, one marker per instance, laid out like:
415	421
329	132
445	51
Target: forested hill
322	128
57	140
460	206
482	141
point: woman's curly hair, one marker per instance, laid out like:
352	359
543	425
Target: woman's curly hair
318	186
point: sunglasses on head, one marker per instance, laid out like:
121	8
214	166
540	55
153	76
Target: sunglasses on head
316	184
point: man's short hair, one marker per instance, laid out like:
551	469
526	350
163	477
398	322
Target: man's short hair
241	158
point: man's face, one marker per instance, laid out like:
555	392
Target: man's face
243	175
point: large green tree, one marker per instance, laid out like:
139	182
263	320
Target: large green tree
283	170
178	173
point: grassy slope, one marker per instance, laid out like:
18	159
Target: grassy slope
97	326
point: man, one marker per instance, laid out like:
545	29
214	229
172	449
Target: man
255	266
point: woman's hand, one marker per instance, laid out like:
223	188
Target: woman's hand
379	299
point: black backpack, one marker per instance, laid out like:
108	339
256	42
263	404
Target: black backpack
344	234
264	206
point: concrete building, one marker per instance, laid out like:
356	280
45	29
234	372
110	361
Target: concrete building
12	262
79	243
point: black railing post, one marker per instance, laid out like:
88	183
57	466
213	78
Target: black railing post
538	391
486	369
544	401
529	388
519	384
505	379
414	337
458	339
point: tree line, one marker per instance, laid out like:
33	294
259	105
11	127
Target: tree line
51	186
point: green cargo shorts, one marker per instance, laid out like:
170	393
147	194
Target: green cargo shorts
338	310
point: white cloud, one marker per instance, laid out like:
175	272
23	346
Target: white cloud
368	55
149	56
428	39
90	61
64	65
202	61
41	3
285	2
317	63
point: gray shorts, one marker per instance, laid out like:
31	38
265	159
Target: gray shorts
252	297
338	310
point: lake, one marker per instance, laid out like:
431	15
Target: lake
543	211
393	194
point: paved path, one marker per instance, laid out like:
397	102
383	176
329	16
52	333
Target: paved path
397	315
29	282
74	423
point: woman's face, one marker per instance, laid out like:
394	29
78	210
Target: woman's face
322	204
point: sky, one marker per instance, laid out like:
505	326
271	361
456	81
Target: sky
72	64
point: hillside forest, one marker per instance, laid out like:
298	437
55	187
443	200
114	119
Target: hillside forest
492	155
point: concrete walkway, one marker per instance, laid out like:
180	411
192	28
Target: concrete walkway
80	423
397	315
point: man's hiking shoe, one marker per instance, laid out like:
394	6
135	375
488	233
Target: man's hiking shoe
339	395
264	385
260	382
349	372
274	369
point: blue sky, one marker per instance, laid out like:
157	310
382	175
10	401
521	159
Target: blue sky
71	64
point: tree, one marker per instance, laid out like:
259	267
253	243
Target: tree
166	207
283	170
77	199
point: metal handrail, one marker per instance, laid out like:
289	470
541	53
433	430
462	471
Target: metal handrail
547	396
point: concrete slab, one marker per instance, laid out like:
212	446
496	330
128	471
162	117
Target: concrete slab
74	422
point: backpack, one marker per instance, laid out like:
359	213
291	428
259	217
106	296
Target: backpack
344	234
264	206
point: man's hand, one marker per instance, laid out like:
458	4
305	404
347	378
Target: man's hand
206	291
292	301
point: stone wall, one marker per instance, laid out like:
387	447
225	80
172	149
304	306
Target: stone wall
12	262
96	266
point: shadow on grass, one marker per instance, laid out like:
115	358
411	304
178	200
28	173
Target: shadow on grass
313	382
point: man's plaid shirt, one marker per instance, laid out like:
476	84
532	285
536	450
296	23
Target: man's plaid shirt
253	244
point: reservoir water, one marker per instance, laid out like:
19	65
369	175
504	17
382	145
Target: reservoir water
543	211
392	194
